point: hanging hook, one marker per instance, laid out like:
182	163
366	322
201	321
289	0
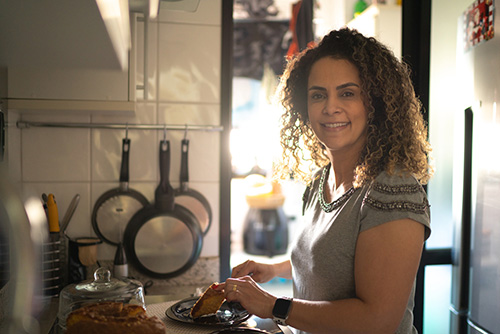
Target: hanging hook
126	130
165	132
185	132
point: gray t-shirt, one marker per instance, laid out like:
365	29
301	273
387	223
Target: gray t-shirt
323	255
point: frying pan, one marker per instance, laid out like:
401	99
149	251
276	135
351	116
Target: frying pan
190	198
163	239
113	209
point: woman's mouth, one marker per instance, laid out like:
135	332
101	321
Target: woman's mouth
335	125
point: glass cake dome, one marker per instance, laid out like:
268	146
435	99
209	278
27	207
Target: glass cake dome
102	288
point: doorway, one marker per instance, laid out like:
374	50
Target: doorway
263	213
414	48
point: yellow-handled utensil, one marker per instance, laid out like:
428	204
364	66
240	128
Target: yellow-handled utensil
53	214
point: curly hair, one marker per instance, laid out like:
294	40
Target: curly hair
396	134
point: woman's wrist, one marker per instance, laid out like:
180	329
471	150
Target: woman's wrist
269	311
274	270
282	269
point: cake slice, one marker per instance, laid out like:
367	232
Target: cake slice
209	302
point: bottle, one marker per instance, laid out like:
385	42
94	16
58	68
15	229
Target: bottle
120	266
359	7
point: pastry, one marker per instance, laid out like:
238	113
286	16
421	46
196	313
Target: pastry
208	303
113	318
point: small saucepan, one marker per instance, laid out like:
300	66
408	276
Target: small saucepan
113	209
191	198
164	239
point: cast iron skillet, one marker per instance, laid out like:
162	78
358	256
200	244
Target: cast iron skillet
113	209
190	198
163	240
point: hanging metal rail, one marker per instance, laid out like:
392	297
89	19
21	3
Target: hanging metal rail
126	126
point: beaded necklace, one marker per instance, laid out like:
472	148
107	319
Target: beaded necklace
329	207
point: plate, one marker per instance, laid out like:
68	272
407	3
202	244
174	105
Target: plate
229	313
238	330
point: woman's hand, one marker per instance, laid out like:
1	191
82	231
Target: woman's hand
261	272
250	295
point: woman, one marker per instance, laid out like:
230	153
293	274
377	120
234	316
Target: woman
350	102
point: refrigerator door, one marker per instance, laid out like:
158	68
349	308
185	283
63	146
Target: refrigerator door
459	307
473	329
485	250
485	263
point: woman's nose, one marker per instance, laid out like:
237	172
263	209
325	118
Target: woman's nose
331	106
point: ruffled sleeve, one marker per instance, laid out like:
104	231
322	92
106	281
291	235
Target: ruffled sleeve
394	197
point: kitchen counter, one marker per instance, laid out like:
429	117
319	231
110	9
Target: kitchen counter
161	303
156	305
48	316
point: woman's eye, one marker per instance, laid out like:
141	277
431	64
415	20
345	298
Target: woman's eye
347	94
316	96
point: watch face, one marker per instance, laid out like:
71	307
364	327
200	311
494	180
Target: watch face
281	308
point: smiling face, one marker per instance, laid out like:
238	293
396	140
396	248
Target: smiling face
335	106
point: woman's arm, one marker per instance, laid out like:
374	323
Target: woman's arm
262	272
283	269
386	262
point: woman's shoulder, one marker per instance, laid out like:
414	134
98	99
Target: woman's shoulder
396	191
393	196
395	180
311	188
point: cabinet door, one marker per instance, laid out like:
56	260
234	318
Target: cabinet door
68	84
60	50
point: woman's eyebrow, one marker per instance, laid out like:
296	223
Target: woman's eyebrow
339	87
347	84
316	88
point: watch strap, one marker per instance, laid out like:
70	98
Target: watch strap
280	321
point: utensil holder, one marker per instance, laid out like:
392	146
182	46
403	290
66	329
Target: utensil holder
77	270
52	259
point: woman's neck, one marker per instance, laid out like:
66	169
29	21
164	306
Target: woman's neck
340	176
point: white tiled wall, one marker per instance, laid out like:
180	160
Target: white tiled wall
184	66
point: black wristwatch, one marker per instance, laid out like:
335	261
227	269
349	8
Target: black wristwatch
281	309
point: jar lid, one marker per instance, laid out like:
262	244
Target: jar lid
103	284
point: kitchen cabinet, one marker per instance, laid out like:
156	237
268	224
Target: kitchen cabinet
56	89
57	55
382	21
